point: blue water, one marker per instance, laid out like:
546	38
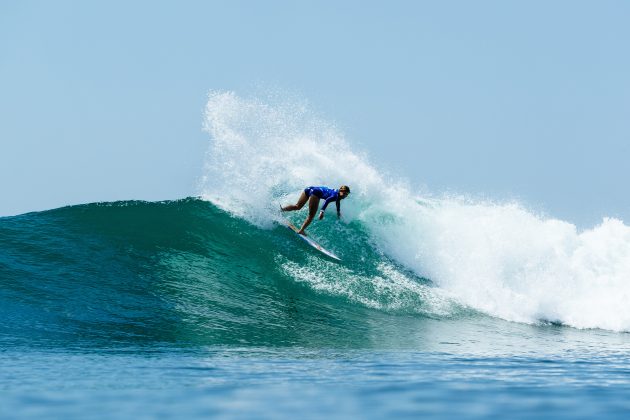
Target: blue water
172	309
441	307
479	368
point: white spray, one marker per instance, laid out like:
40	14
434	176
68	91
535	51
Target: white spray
498	258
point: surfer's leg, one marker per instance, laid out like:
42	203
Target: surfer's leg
313	205
301	201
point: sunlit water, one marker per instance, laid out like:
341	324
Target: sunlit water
478	368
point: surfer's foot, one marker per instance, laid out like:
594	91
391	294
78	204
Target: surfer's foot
301	232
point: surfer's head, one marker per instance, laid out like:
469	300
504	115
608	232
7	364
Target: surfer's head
344	190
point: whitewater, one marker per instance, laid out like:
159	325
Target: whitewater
497	258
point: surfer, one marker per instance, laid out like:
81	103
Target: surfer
313	195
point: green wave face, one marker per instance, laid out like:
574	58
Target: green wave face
187	273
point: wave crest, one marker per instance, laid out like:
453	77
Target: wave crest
498	258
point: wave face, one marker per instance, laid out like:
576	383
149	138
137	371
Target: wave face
497	258
187	272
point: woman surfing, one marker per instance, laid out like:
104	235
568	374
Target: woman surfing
313	195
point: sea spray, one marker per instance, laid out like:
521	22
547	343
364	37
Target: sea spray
261	155
499	258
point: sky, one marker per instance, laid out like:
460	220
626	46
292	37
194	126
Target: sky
526	100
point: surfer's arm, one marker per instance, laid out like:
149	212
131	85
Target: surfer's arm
338	204
321	212
328	200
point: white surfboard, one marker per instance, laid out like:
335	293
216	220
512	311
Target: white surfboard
311	242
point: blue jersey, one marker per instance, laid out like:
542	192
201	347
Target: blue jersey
325	193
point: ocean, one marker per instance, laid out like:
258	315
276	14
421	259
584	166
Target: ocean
442	306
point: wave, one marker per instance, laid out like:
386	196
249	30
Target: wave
187	272
220	270
498	258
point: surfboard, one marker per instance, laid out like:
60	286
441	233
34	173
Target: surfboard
311	242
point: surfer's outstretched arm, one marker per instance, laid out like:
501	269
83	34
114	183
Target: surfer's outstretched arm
330	199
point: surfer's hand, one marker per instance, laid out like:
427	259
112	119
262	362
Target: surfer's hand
321	215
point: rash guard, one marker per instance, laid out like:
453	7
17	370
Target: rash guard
328	194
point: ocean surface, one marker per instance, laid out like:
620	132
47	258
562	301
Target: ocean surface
179	308
442	307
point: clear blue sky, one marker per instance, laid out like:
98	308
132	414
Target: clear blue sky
527	99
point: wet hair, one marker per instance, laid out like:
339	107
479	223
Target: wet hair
345	188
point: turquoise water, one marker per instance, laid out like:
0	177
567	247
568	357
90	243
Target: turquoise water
180	308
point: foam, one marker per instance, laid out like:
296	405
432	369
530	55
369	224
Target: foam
505	261
499	258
